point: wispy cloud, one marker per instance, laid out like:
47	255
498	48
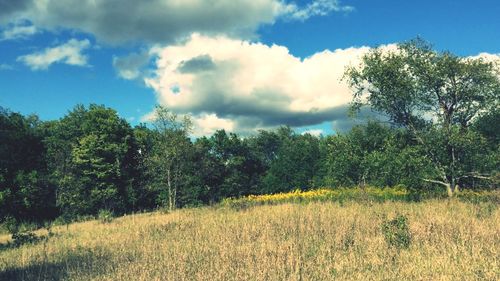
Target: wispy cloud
16	31
314	132
131	66
68	53
4	66
315	8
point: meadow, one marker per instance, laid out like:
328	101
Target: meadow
322	240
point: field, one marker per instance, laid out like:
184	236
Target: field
448	240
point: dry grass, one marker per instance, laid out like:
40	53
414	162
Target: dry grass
451	240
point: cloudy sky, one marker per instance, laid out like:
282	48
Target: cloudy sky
238	65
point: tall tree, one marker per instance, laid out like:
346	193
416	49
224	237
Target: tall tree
93	159
25	193
296	162
168	160
424	90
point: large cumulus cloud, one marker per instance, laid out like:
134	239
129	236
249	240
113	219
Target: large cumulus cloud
120	21
247	86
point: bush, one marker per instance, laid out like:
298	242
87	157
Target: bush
477	197
485	209
11	225
105	216
367	194
397	233
24	238
349	238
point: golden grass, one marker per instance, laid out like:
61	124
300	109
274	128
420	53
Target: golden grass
451	240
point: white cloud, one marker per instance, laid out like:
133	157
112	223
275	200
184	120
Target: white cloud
314	132
16	31
252	85
315	8
487	57
207	124
68	53
490	58
166	21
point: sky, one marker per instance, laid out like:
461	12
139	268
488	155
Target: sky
238	65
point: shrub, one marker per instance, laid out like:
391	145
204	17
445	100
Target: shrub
477	197
11	225
22	238
348	240
367	194
105	216
485	209
397	233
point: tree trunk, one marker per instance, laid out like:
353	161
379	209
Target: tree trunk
169	186
449	190
453	188
453	181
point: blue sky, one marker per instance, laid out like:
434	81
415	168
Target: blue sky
78	57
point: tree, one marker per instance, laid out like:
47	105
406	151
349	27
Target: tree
167	161
25	193
92	155
296	162
238	167
209	175
428	91
488	125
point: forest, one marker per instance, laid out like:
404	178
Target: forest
440	135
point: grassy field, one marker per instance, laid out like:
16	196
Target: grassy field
449	240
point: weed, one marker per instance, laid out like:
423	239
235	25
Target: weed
348	239
105	216
397	233
485	209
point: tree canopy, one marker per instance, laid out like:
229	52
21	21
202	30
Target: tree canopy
436	95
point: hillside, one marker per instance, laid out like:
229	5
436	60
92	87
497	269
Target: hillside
447	240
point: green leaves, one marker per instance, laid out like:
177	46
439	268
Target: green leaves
167	161
429	93
93	157
397	232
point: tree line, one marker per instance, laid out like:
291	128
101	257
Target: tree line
441	133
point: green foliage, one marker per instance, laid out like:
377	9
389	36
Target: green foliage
374	154
488	125
479	196
11	224
238	167
92	155
167	162
105	216
436	96
22	238
485	209
397	232
25	193
349	238
295	164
